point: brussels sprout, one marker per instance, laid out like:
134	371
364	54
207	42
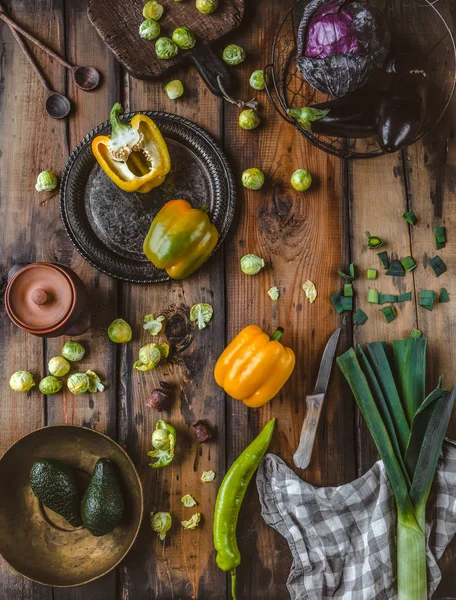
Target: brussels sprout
174	89
202	314
233	55
207	476
46	182
274	293
58	366
253	179
161	523
150	355
188	501
251	264
164	441
206	6
50	385
119	331
248	119
73	351
21	381
95	384
153	325
183	38
153	10
149	29
301	180
165	48
193	522
257	80
78	383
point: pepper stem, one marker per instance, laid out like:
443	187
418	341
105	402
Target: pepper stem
116	123
233	584
278	333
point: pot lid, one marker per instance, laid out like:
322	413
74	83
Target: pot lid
40	296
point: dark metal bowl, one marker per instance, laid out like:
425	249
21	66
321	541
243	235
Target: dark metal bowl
420	34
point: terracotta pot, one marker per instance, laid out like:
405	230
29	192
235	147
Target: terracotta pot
47	300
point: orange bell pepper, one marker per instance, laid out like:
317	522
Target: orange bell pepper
254	367
135	156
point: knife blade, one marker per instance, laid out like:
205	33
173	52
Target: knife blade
314	403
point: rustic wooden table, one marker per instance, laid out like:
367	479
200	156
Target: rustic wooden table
302	236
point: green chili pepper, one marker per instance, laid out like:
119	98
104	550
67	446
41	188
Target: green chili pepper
229	499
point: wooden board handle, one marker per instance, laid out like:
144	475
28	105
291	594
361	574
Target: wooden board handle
210	67
303	454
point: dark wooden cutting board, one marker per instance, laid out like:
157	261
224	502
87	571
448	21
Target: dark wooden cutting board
118	21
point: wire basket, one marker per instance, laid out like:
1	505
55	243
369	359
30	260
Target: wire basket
421	36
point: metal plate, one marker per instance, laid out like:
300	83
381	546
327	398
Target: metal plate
108	226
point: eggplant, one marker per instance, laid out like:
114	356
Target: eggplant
401	111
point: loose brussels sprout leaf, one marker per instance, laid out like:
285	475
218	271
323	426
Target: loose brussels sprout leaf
119	331
153	325
248	119
149	29
149	356
206	6
188	501
301	180
183	38
161	523
50	385
251	264
310	290
193	522
46	182
164	349
153	10
233	55
208	476
21	381
274	293
58	366
165	48
95	384
174	89
253	179
257	80
78	383
73	351
164	442
202	314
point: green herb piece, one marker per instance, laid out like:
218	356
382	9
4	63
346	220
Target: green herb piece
389	312
444	296
373	297
163	442
348	290
415	333
440	237
372	274
201	314
360	317
388	298
383	256
396	269
408	263
438	266
427	299
373	241
410	217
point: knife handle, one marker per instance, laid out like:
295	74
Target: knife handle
303	454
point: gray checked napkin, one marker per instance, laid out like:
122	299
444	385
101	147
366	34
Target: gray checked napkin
343	538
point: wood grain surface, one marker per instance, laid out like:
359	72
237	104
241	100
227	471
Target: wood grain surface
301	236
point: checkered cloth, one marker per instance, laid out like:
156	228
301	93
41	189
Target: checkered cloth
343	538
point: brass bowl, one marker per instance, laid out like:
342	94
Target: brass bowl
38	543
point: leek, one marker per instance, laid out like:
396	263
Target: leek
427	299
410	217
373	241
440	237
408	263
389	312
372	274
383	256
444	296
396	269
408	430
438	266
360	317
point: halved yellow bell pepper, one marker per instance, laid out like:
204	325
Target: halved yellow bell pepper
254	367
135	156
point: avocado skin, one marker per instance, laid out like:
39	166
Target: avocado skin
102	505
55	486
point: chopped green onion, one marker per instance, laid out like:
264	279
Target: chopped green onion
360	317
345	276
440	237
408	263
373	297
415	333
389	312
373	241
388	298
410	217
438	266
396	269
348	290
444	296
383	256
427	299
372	274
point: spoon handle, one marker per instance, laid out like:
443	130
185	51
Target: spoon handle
29	36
